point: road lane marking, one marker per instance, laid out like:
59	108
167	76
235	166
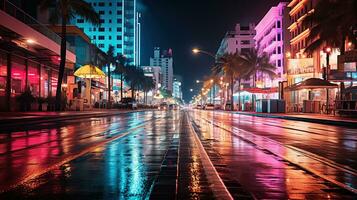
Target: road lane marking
218	187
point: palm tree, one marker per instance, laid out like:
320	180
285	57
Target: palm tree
147	85
231	66
65	11
120	69
254	64
332	22
134	76
110	60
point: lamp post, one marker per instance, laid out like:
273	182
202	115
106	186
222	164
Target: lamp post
197	51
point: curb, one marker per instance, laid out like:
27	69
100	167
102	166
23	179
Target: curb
11	123
344	123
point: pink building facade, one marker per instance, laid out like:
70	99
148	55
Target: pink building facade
271	39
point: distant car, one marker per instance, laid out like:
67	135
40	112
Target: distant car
129	103
173	107
163	106
209	106
228	106
217	107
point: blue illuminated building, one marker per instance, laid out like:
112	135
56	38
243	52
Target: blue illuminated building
119	27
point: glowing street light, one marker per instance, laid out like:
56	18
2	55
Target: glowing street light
191	90
197	81
195	51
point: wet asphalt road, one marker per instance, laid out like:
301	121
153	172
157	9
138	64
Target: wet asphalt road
280	159
147	155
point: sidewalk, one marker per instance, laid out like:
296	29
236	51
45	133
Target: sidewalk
14	118
307	117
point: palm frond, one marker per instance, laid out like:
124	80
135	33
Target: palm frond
85	10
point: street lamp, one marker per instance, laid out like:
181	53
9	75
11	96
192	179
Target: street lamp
191	90
197	51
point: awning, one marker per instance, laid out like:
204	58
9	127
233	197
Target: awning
311	83
261	90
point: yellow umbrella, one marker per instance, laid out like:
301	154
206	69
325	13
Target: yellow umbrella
89	71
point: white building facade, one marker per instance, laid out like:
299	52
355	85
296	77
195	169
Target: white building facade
177	87
155	73
237	41
164	59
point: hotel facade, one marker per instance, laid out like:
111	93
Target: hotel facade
272	39
120	27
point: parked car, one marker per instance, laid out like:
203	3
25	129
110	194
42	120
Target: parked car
209	106
129	103
163	106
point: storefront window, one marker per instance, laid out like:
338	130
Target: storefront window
54	78
33	78
44	82
18	75
3	73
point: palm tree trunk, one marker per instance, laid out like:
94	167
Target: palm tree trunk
109	86
121	86
343	49
239	82
62	64
132	92
146	97
254	86
232	88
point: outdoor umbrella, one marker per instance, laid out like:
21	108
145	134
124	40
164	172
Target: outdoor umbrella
89	72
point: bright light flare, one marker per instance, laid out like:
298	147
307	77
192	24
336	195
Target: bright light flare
195	51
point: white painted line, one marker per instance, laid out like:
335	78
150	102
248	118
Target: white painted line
218	188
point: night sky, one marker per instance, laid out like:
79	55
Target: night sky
184	24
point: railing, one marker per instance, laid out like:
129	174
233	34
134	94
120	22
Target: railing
22	16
